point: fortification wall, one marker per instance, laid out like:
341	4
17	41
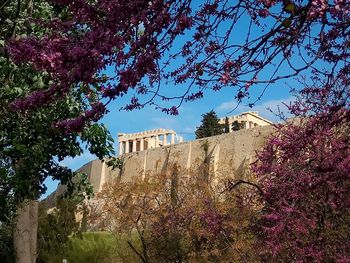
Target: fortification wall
226	155
223	155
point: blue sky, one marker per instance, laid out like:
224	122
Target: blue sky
188	119
185	123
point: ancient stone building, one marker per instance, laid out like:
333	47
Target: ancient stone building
141	141
151	152
245	120
225	155
147	153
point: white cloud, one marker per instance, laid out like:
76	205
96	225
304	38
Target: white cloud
227	106
164	122
267	109
189	129
77	162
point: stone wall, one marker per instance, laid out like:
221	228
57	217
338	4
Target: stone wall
224	155
245	120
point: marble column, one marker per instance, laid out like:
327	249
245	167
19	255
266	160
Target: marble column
164	139
126	146
120	148
134	142
148	143
142	144
247	124
156	141
172	140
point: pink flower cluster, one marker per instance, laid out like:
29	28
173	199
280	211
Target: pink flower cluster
135	40
318	8
305	173
77	124
120	34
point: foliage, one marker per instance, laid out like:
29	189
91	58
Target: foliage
92	247
7	253
140	39
55	226
65	48
178	220
99	247
116	162
210	126
61	236
236	126
30	146
226	126
304	171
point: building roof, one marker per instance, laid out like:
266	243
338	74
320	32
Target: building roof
252	113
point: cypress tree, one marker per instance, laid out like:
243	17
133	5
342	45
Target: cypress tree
210	126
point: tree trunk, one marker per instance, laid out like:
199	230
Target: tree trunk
25	233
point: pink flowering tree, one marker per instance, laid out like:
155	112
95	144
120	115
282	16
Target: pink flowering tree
304	172
217	43
178	220
31	148
207	46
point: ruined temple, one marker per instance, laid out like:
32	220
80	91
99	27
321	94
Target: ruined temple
156	151
245	120
140	141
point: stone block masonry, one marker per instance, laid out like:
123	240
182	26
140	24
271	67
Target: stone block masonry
245	120
141	141
224	155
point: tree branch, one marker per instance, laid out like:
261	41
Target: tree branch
16	17
135	250
232	185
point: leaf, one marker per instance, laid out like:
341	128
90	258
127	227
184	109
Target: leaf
290	8
287	22
20	148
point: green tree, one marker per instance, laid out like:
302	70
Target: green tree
96	247
236	126
30	144
226	126
210	126
31	147
55	228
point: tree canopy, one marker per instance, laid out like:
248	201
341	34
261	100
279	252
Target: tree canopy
177	219
210	126
54	57
139	40
30	145
304	173
56	226
226	125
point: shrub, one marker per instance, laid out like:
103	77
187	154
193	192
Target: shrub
180	220
93	247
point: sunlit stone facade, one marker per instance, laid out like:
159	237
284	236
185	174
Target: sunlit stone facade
140	141
246	120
